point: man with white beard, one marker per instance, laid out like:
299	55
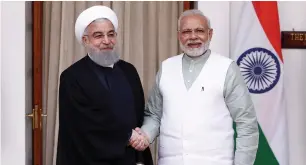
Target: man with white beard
197	97
101	99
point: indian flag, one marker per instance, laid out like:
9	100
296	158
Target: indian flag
256	47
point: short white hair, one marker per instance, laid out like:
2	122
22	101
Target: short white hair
193	12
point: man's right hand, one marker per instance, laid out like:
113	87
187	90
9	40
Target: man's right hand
139	140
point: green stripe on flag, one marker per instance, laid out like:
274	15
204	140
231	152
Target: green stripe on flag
264	155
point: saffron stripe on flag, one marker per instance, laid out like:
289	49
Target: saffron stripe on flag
267	13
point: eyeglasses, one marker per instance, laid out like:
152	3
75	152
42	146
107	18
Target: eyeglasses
197	32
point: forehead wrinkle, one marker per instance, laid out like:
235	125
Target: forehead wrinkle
194	28
99	31
188	28
95	27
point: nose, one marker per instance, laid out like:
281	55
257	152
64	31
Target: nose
106	40
193	35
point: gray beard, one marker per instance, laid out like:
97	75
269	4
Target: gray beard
195	52
105	58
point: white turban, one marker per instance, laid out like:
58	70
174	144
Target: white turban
91	14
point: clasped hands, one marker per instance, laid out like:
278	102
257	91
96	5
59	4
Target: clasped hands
139	140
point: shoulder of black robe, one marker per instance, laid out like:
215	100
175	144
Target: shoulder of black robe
144	156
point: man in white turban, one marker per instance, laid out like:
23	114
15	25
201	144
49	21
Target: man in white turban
101	99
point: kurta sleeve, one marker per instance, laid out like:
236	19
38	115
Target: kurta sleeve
153	110
242	110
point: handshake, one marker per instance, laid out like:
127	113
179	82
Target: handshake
139	140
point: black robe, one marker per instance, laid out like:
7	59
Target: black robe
98	108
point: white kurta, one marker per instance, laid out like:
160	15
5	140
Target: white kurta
196	126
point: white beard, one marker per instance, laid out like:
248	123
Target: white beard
195	52
103	58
